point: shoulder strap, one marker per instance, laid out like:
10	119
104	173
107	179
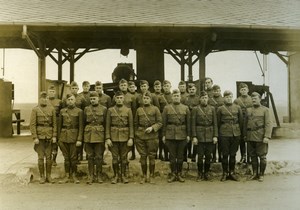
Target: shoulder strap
175	112
242	102
164	98
118	115
228	111
43	113
203	113
146	115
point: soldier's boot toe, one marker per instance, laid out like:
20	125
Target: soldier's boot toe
49	179
76	180
261	178
151	179
224	177
66	179
124	179
233	177
199	177
253	177
172	178
42	180
206	177
114	180
180	178
89	180
100	179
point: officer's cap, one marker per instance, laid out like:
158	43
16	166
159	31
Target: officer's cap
254	94
123	81
176	91
43	94
142	82
148	94
98	83
74	84
181	82
85	83
94	94
51	87
119	93
131	83
203	93
157	82
227	93
216	87
166	82
243	85
69	95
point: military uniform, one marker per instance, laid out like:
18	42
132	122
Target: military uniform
258	126
105	100
129	101
70	131
147	143
176	128
244	102
139	100
230	122
57	104
94	138
204	128
86	96
79	101
43	127
184	96
119	129
210	92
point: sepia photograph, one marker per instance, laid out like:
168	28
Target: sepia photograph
149	104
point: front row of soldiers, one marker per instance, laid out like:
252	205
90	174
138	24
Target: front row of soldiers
118	127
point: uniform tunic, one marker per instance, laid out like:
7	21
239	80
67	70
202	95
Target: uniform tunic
104	100
216	101
192	101
164	99
244	102
79	101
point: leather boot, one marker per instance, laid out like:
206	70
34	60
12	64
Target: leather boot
42	172
224	177
91	171
74	173
99	171
232	176
206	170
254	176
152	176
114	180
172	178
144	174
132	153
262	167
66	179
48	172
123	173
54	159
200	172
179	172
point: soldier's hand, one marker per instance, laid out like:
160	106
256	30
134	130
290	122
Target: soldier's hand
163	139
54	140
36	141
215	140
109	142
78	143
149	130
266	140
188	139
130	142
195	141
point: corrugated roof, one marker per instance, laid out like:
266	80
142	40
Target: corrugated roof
281	14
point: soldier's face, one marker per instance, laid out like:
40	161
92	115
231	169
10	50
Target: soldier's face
51	93
204	100
74	89
228	99
157	88
123	86
244	91
217	92
167	87
43	101
119	100
94	100
176	97
71	101
256	100
131	88
208	83
182	88
144	87
192	91
86	88
146	100
99	89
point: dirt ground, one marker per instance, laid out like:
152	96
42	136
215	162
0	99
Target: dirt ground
276	192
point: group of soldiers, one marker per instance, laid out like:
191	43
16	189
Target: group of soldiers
169	125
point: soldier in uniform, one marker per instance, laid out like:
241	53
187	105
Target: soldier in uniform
245	102
144	87
86	92
130	102
192	100
157	91
216	101
57	104
259	128
104	99
205	133
230	125
94	136
119	136
183	92
208	86
70	132
147	121
44	130
176	134
132	89
164	100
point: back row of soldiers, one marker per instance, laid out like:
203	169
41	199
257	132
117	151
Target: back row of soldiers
202	120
